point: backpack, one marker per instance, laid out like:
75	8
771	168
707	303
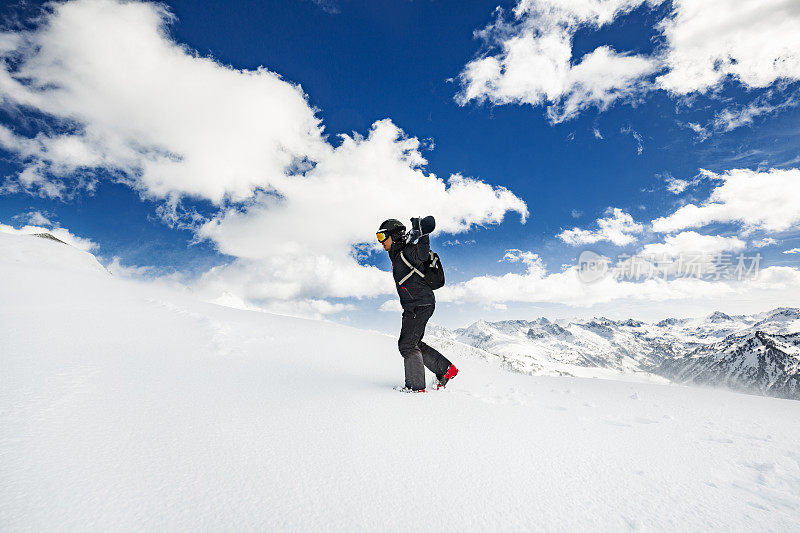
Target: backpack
432	270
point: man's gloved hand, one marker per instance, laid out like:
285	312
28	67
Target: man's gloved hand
427	225
415	232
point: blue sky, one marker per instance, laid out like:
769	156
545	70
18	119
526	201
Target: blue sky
362	62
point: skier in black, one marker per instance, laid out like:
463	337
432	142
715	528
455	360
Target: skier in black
417	300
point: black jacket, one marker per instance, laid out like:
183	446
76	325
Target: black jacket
415	290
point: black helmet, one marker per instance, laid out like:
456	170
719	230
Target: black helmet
391	228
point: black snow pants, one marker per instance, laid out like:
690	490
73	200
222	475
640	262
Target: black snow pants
415	352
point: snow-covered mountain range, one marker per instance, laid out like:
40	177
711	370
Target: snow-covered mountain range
757	353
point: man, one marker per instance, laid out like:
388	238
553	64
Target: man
416	297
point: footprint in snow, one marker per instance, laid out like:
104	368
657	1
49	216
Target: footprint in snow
617	423
721	440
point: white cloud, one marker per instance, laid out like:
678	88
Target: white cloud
294	210
778	284
164	119
116	267
636	136
33	177
768	200
730	119
687	254
309	308
457	242
701	131
736	117
676	185
792	251
685	269
36	218
391	306
618	228
534	64
301	245
689	242
757	42
597	134
530	58
532	261
763	243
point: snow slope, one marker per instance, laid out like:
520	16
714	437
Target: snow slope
128	406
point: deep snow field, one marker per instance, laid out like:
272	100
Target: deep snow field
127	406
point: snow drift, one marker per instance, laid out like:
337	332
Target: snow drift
128	406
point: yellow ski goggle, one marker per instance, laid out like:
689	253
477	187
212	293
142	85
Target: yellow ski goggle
382	236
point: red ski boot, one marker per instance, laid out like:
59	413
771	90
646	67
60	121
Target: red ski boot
450	374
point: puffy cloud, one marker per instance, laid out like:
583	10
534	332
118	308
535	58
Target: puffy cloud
763	243
618	228
768	200
116	267
530	259
136	103
686	267
391	306
687	254
677	185
293	210
537	286
776	284
534	64
757	42
301	243
36	218
309	308
702	132
33	177
792	251
530	58
689	242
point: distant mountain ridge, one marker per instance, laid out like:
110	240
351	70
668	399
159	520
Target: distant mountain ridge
758	353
